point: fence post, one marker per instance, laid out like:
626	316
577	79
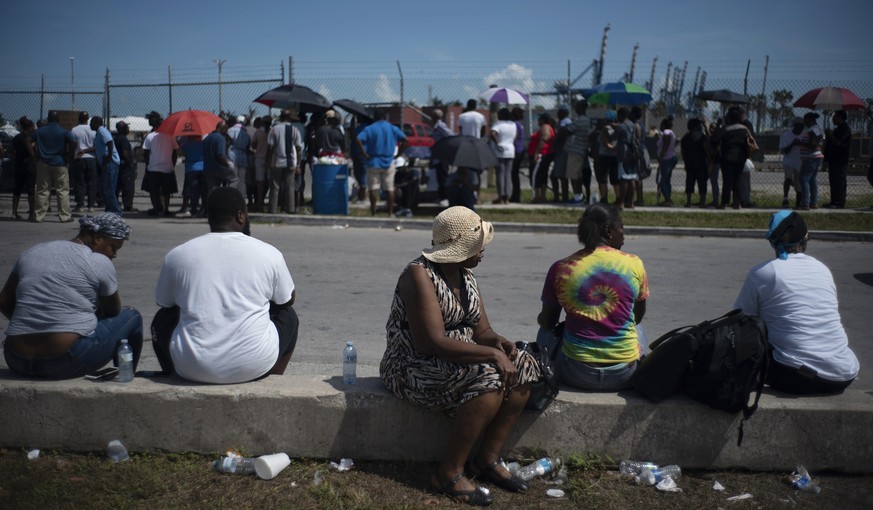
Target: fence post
106	104
170	86
41	95
400	70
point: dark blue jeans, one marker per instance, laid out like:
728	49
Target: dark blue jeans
666	175
109	181
89	353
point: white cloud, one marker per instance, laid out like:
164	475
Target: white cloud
513	76
326	92
384	91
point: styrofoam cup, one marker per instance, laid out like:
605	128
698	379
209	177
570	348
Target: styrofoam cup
268	467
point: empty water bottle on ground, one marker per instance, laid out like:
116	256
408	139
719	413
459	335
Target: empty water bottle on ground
116	451
350	362
635	467
235	465
539	468
653	476
125	362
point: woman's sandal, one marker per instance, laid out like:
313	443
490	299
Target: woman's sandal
511	484
479	496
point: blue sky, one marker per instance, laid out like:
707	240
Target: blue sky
463	40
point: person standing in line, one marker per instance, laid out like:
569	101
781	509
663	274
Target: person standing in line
127	169
644	170
84	173
440	130
217	169
329	139
541	152
471	123
558	176
577	151
284	156
160	152
503	144
811	156
518	119
696	157
54	147
627	153
378	143
789	146
836	153
735	144
251	186
259	146
667	160
715	165
25	167
194	189
358	162
239	151
108	161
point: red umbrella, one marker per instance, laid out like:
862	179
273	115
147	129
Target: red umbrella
830	98
189	122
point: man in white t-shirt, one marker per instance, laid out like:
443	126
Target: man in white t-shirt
83	171
789	146
160	152
225	324
795	295
471	122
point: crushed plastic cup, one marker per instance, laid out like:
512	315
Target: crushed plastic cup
344	465
317	479
33	454
667	484
116	451
268	467
717	486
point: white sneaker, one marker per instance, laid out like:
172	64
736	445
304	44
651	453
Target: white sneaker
183	214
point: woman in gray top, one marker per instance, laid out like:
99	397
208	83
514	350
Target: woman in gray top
62	302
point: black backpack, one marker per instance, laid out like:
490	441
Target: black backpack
718	362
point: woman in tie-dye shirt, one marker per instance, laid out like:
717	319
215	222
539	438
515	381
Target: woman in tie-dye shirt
603	292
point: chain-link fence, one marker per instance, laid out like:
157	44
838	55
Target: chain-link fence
231	89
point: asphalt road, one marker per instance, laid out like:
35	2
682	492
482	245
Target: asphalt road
345	279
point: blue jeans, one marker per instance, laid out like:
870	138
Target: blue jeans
89	353
665	170
109	181
808	182
579	375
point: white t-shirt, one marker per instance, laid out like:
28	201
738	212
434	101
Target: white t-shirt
84	139
790	159
505	130
161	155
471	123
797	299
223	284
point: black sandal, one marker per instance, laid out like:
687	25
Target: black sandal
479	496
511	484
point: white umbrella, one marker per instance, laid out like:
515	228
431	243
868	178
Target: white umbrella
9	129
504	95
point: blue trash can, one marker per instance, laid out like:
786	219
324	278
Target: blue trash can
330	189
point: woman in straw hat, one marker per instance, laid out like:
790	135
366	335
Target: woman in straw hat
442	354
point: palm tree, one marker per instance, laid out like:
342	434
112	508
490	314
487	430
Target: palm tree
783	98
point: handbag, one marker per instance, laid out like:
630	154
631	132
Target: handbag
545	390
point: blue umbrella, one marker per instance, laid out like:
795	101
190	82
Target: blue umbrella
619	93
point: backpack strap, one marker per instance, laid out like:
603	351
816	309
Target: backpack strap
749	410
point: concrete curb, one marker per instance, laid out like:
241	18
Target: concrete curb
315	416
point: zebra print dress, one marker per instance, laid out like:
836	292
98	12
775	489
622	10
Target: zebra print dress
432	382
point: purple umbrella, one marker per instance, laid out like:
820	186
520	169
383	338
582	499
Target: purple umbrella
503	95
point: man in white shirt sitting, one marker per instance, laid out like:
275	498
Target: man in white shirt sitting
225	324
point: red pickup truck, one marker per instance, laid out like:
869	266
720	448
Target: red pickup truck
419	138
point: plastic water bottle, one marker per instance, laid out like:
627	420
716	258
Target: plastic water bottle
125	362
595	197
116	451
653	476
235	465
635	467
539	468
350	362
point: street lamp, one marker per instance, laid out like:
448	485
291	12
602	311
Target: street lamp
220	63
73	82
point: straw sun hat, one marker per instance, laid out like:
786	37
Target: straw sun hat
458	234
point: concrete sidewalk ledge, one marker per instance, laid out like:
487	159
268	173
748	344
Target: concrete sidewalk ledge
310	416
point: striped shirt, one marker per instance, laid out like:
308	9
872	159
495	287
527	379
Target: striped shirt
810	133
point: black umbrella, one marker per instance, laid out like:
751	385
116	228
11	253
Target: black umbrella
353	107
304	98
723	96
464	151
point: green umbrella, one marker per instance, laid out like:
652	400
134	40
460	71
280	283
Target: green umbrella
619	93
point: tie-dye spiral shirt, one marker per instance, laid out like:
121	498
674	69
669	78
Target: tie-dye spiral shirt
598	292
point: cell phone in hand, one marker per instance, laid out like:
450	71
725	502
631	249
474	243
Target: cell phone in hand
104	374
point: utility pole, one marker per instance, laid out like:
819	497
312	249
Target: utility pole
763	104
220	62
73	82
290	69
